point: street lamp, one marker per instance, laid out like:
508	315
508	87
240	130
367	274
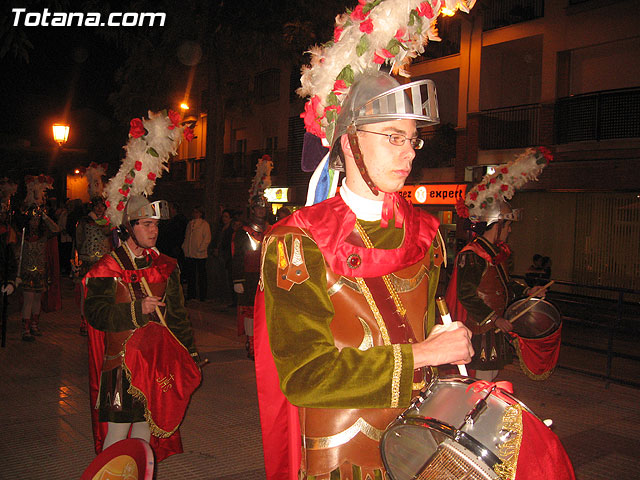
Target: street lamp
60	133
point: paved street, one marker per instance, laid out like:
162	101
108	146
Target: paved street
45	431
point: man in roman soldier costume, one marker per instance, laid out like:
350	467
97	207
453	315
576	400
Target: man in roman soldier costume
35	269
143	358
345	314
481	288
246	248
94	233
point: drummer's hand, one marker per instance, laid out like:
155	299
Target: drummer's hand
445	344
504	324
149	304
539	291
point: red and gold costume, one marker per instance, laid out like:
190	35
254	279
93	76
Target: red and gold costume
343	300
114	312
479	291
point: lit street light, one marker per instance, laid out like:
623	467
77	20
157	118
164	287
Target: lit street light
60	133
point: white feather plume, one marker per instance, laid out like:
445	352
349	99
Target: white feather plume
146	159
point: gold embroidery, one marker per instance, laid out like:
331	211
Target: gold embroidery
374	309
509	450
397	373
166	382
340	438
367	341
133	315
343	281
296	256
282	256
404	285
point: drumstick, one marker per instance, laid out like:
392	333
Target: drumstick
446	320
543	288
150	294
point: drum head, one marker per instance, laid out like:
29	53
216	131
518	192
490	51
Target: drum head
540	321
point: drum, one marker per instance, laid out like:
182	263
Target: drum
540	321
448	432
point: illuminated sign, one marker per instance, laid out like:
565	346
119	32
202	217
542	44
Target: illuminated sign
277	194
439	194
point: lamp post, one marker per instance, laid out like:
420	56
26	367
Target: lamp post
60	133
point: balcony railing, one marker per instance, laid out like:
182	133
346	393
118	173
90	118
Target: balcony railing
500	13
512	127
598	116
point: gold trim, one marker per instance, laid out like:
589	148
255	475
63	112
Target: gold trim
397	373
367	341
525	369
510	449
404	285
341	282
133	315
340	438
374	309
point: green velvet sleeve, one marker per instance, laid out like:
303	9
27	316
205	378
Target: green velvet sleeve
470	270
176	314
102	311
312	371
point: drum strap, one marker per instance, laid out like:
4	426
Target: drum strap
135	287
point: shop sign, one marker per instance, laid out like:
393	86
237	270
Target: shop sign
436	194
277	194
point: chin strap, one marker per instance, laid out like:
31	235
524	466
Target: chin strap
359	159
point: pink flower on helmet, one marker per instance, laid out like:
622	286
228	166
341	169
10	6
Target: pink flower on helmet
400	34
366	26
136	129
138	165
377	59
337	32
107	203
175	119
425	10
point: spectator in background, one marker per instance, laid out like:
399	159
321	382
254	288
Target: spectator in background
539	271
195	245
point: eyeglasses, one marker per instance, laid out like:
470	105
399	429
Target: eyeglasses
398	139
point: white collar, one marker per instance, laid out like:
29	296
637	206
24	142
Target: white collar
364	208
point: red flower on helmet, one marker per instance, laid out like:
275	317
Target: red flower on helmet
504	187
175	119
358	14
366	26
137	128
128	180
338	86
473	196
138	165
481	187
504	170
337	32
151	176
120	206
377	59
425	10
461	209
310	117
400	34
188	134
546	152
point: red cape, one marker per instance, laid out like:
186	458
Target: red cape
329	223
108	267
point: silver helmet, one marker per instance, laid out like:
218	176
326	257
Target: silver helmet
377	97
495	211
139	206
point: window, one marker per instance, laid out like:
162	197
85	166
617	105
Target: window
267	86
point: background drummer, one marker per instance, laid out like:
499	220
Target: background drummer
480	288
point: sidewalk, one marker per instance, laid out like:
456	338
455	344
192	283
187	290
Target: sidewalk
45	430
